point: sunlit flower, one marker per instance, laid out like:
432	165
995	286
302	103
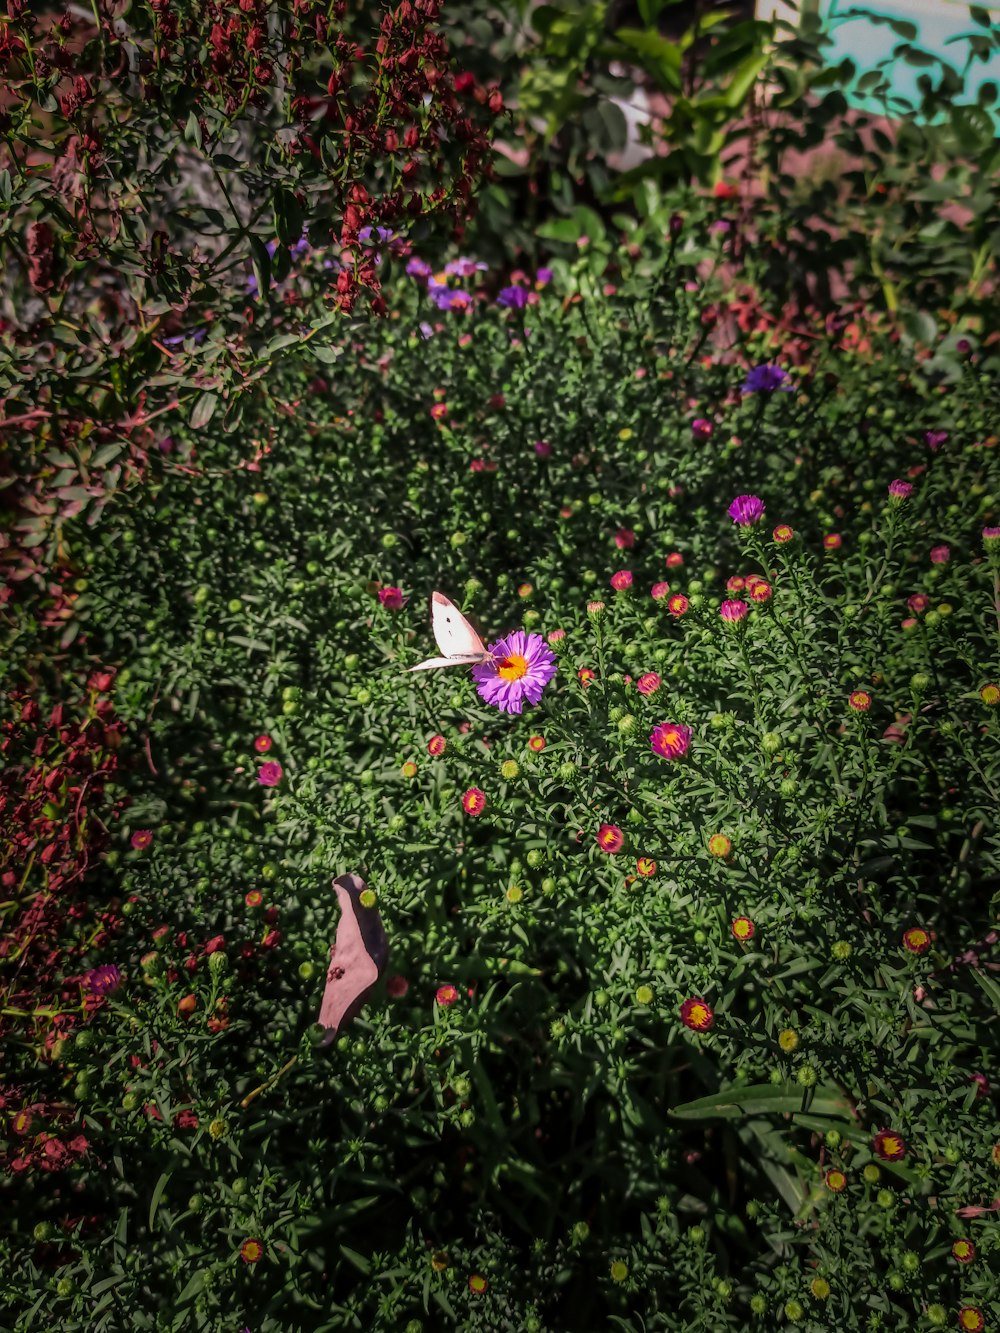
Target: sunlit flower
392	598
670	740
917	939
759	590
677	604
536	743
674	560
832	541
990	695
719	845
141	839
900	490
658	591
610	838
621	580
733	611
585	676
474	801
735	583
964	1251
253	898
251	1251
835	1180
103	980
512	298
409	769
860	701
436	746
743	929
520	667
746	510
645	867
648	683
269	774
556	636
888	1145
477	1284
262	744
697	1014
783	533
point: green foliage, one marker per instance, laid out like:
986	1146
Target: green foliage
554	1129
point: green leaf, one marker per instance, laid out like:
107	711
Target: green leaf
991	987
326	353
660	57
766	1099
154	1202
204	409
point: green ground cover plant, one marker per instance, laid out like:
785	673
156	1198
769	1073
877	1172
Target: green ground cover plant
689	1014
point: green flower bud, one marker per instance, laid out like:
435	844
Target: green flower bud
509	769
806	1076
218	1129
885	1198
770	742
758	1304
218	963
793	1311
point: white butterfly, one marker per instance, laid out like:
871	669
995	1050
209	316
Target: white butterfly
458	641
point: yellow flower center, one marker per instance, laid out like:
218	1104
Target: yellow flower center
513	667
698	1015
891	1146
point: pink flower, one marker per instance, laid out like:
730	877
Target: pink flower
262	744
141	839
542	448
658	591
733	611
556	636
649	683
624	539
674	560
396	987
621	580
940	555
270	774
900	490
701	429
446	995
918	603
392	598
610	838
670	740
436	746
746	510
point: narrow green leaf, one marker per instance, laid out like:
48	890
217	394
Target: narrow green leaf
766	1099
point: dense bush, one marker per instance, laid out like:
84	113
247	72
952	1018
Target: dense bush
530	1125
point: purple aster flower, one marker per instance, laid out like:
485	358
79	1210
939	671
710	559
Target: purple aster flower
746	510
300	246
426	331
520	667
418	268
271	247
513	298
445	299
465	268
543	276
103	980
197	337
899	489
765	379
382	235
935	438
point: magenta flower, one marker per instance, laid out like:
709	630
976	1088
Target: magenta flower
701	428
519	668
940	555
610	838
991	536
103	980
624	539
670	740
649	683
935	438
621	580
392	598
543	449
659	590
270	774
900	490
141	839
766	379
733	610
746	510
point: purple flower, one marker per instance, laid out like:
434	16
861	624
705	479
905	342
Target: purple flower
465	268
382	235
765	379
900	490
446	299
103	980
935	438
418	268
426	331
271	247
746	510
520	667
300	246
543	277
197	337
701	428
513	298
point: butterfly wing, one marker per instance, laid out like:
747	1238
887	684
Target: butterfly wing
462	659
454	635
357	959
